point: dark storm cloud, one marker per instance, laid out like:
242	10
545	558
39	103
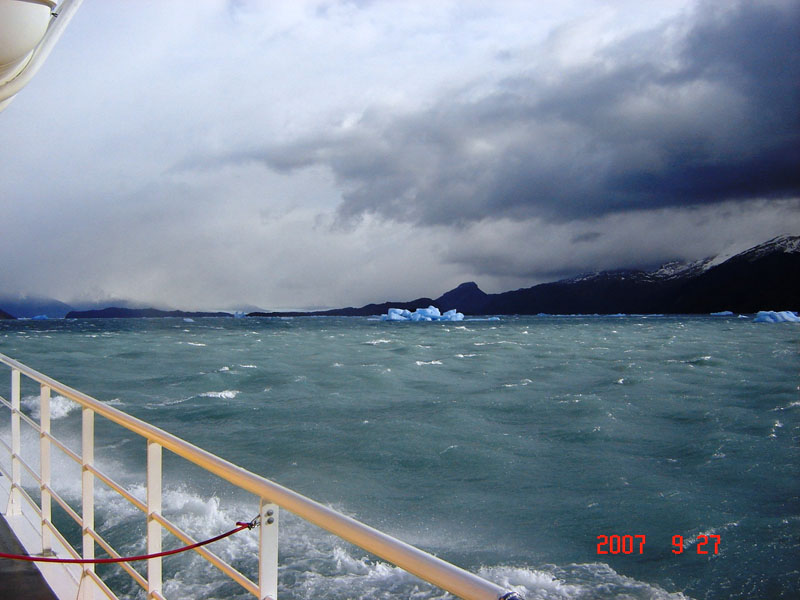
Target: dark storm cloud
694	113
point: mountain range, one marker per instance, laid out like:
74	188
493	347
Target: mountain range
765	277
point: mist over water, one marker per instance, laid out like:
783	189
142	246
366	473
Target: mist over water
506	447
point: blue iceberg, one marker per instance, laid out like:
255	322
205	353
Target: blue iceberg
771	316
422	314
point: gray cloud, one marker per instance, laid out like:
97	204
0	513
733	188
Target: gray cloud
692	113
202	158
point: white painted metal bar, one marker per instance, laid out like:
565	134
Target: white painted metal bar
103	543
65	449
118	488
87	497
135	575
430	568
102	585
25	497
34	425
44	466
31	471
268	551
16	472
153	526
73	514
60	537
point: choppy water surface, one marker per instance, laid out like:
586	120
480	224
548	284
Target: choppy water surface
505	446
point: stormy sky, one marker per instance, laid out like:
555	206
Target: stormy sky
306	154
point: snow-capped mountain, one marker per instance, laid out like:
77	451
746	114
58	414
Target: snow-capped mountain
762	277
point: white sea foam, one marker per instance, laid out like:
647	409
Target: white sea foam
522	382
60	406
227	394
429	362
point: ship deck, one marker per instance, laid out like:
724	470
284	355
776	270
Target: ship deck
19	579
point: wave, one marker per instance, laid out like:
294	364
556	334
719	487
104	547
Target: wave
60	406
226	394
313	564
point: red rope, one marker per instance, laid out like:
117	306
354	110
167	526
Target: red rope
95	561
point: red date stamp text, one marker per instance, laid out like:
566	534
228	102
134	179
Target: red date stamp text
634	544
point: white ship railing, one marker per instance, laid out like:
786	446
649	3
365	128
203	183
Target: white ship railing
271	496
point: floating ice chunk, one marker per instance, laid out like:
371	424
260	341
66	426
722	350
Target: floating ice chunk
397	314
422	314
724	313
452	315
771	316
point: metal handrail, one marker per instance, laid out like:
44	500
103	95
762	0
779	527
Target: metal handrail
426	566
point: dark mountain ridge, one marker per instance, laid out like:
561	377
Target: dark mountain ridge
764	277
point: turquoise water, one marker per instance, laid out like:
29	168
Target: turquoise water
506	446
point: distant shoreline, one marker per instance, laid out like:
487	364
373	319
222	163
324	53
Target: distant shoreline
761	278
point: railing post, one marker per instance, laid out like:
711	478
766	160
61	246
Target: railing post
268	551
153	508
15	500
87	498
44	473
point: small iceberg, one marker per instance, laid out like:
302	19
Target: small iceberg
422	314
724	313
771	316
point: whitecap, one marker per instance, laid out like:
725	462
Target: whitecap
430	362
227	394
60	406
523	382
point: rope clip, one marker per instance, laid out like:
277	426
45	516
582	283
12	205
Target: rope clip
254	523
250	524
